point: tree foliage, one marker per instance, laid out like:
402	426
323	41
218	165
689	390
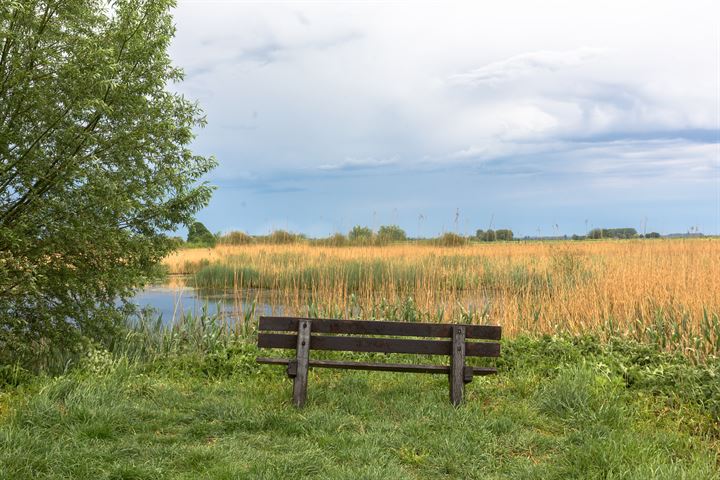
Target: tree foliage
198	234
390	233
360	234
493	235
94	164
283	237
597	233
450	239
236	238
504	235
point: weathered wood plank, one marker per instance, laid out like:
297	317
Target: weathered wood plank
378	327
379	345
457	365
469	371
303	359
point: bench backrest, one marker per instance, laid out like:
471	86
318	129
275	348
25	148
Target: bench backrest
350	336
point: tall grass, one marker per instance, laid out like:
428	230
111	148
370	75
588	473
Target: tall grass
148	336
664	291
559	409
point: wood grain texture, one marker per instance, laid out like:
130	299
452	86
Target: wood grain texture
468	373
303	359
348	335
457	365
379	345
378	327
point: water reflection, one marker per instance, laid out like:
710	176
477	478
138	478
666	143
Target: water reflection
174	300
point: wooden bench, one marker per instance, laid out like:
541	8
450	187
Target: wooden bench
373	336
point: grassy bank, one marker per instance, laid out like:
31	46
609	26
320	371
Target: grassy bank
193	404
662	291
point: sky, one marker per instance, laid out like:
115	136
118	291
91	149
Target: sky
548	118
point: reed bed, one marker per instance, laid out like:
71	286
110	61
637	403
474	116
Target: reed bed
663	291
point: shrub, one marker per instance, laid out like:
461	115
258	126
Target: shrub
198	234
390	234
597	233
360	235
485	236
450	239
283	237
504	235
336	240
493	235
236	238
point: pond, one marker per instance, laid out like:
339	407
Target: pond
176	299
173	302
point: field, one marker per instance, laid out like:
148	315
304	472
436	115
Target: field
560	408
608	370
659	291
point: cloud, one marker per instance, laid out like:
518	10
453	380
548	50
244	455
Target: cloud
525	64
490	95
267	184
265	50
696	135
355	164
627	160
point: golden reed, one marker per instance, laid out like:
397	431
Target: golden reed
668	286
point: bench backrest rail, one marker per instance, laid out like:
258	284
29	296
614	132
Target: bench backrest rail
379	327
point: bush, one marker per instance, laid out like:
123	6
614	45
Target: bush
336	240
283	237
450	239
493	235
198	234
360	235
13	375
597	233
504	235
390	234
236	238
484	236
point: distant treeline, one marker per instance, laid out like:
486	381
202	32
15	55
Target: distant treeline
199	235
622	233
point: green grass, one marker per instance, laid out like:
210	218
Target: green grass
559	408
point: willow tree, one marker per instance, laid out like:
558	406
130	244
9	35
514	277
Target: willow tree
95	165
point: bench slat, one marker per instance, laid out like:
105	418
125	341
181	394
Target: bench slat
383	367
378	327
378	345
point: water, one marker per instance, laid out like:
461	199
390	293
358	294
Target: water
175	301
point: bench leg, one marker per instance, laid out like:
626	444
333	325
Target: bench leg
457	365
302	359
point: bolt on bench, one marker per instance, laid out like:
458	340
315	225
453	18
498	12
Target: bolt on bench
450	339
